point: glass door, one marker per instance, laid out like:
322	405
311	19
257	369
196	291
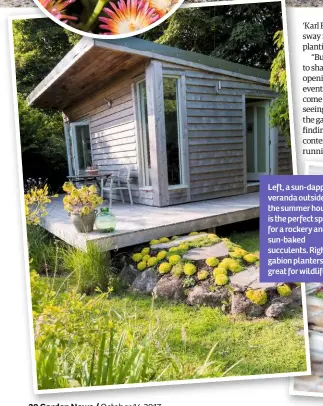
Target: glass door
80	147
258	140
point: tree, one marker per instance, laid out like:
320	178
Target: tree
239	33
279	115
39	46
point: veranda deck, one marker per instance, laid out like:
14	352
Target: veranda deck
138	224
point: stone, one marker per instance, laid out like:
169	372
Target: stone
178	241
201	295
146	281
218	250
241	305
128	274
249	278
276	310
170	288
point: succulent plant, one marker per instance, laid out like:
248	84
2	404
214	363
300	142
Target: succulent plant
202	275
257	296
164	268
161	255
137	257
142	265
189	269
174	259
213	261
284	290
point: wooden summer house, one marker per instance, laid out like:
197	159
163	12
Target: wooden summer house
191	127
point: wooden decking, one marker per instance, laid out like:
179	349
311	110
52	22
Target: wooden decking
139	224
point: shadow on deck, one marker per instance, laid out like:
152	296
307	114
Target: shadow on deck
139	224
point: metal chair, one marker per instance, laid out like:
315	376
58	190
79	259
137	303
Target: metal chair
122	183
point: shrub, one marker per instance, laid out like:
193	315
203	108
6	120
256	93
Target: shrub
177	270
188	282
184	246
284	290
152	261
142	265
250	258
213	261
257	296
238	253
146	258
137	257
91	269
164	268
44	250
202	275
174	259
145	251
221	279
164	239
234	266
219	271
154	242
225	263
81	201
189	269
161	255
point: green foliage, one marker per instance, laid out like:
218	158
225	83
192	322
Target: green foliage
188	282
154	242
238	33
234	266
152	261
161	255
202	275
163	240
137	257
250	258
39	45
174	259
142	265
145	251
164	268
284	290
177	270
92	269
44	251
219	271
221	279
257	296
189	269
279	113
212	262
146	258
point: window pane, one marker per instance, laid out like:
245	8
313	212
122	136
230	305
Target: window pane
172	131
83	146
146	165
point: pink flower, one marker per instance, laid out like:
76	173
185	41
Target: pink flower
57	8
162	6
128	17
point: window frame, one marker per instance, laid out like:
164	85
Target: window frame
73	158
180	129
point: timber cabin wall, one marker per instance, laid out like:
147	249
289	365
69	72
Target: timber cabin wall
215	126
112	129
216	133
285	166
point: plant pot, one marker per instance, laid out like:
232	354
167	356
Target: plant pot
85	223
92	172
105	221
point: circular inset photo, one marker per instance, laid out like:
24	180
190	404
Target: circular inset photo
112	18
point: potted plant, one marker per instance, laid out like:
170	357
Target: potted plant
92	170
81	203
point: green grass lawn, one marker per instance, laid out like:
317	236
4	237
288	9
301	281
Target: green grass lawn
187	334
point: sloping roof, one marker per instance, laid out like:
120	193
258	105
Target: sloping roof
94	61
158	50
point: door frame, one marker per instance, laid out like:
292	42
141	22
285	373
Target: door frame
272	163
73	151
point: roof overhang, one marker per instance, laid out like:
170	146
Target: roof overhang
83	70
93	60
